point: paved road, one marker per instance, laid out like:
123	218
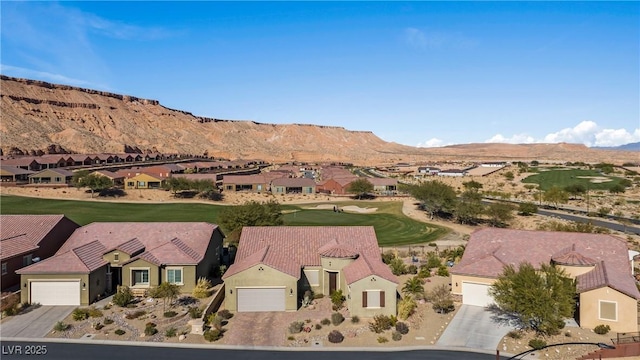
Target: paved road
472	327
82	351
596	222
35	323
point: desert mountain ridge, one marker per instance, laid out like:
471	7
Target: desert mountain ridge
41	117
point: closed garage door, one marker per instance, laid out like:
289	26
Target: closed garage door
260	299
476	294
55	292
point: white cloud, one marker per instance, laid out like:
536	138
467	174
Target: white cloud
33	74
433	142
581	133
615	137
514	139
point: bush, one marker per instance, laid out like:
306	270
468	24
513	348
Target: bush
355	319
406	307
337	318
60	326
382	339
396	336
94	313
337	299
602	329
291	338
225	314
412	269
424	272
325	321
98	326
202	288
335	337
212	335
150	329
387	257
170	314
215	321
567	333
108	321
442	271
80	314
318	326
398	267
123	296
170	332
135	314
296	327
195	312
402	328
537	344
380	323
120	332
514	334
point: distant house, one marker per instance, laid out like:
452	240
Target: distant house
78	160
253	183
452	172
100	256
293	186
14	174
26	239
51	177
23	162
494	164
275	265
386	186
337	185
143	181
599	263
428	170
117	179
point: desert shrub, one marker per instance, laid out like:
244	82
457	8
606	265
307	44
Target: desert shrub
442	271
406	307
170	332
537	343
318	326
170	314
602	329
398	267
215	321
123	296
296	327
60	326
202	288
120	332
567	333
212	335
98	326
225	314
318	296
393	319
515	334
337	318
387	257
307	298
412	269
335	337
135	314
150	329
186	301
337	299
94	313
80	314
325	321
355	319
402	328
195	312
108	321
424	272
382	339
291	338
380	323
396	336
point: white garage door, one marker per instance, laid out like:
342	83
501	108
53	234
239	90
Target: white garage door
55	292
476	294
260	299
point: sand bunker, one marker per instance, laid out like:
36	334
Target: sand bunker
596	179
349	208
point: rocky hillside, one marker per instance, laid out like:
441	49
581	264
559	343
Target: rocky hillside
39	117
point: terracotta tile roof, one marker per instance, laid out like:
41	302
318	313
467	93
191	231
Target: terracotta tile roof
20	234
21	161
366	266
383	181
170	243
290	248
62	172
293	182
244	179
15	170
110	174
130	247
211	177
338	251
594	279
570	256
508	246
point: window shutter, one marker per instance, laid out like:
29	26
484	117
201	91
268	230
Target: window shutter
381	298
364	299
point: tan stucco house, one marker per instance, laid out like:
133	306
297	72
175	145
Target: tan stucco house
143	181
599	263
275	265
99	256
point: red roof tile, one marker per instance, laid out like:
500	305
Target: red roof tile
338	251
293	182
570	256
22	233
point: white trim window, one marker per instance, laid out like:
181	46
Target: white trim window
27	260
313	276
174	275
139	277
373	299
608	310
4	269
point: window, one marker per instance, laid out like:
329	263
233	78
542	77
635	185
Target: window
608	310
131	183
373	299
141	183
174	275
313	276
4	268
26	260
139	277
116	257
58	179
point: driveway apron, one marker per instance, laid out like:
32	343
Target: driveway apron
472	327
36	323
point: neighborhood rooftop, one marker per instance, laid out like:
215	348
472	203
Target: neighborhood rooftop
20	234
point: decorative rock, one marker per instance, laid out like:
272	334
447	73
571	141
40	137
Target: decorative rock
181	337
197	326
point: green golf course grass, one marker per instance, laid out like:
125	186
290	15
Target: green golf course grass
564	177
392	227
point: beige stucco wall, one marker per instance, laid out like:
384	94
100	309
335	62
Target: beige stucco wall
188	277
154	273
254	277
590	310
211	257
304	283
110	257
574	271
353	293
97	284
25	295
456	282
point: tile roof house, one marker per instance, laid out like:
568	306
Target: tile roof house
99	256
253	183
275	265
385	186
51	176
599	263
28	238
14	174
293	186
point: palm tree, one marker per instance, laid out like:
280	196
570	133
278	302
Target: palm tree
413	287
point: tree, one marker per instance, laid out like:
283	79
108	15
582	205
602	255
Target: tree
435	197
252	213
509	175
472	185
617	189
556	196
413	287
499	214
441	299
469	207
535	300
527	208
94	182
575	190
167	291
360	187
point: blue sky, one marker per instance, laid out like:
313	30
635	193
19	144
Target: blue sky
416	73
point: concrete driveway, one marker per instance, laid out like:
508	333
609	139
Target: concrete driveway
473	327
35	323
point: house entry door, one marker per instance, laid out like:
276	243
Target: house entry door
333	280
